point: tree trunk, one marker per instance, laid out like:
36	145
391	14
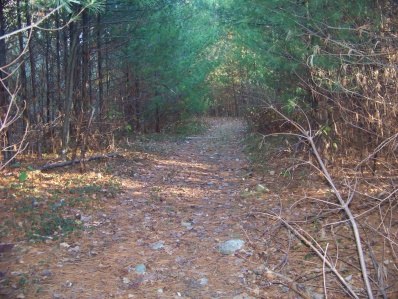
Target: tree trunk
85	62
137	104
22	67
4	97
99	69
69	84
33	95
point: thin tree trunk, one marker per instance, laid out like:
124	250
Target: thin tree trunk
34	111
4	101
69	85
48	81
137	104
157	118
22	67
85	61
99	69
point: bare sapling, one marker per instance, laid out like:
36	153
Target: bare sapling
10	148
308	135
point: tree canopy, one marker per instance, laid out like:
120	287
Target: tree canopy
143	65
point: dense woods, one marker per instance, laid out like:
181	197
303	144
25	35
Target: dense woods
81	76
84	73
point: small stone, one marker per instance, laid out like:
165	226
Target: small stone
56	296
47	273
64	245
203	281
272	172
243	296
74	249
186	224
284	289
20	296
160	290
157	246
85	219
230	246
140	269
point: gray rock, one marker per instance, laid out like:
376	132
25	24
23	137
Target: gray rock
243	296
230	246
140	269
203	281
158	246
186	224
47	273
85	219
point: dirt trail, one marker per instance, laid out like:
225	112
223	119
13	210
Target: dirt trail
186	204
176	208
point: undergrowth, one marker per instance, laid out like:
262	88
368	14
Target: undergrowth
189	127
261	149
46	206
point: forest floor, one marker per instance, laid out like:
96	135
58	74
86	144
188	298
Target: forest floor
149	223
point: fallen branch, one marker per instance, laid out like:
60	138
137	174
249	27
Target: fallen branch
66	163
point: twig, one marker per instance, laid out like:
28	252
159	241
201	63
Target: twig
318	252
61	164
291	284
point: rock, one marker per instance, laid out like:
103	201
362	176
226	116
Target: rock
230	246
158	246
203	281
272	172
140	269
47	273
64	245
243	296
186	224
85	219
75	249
